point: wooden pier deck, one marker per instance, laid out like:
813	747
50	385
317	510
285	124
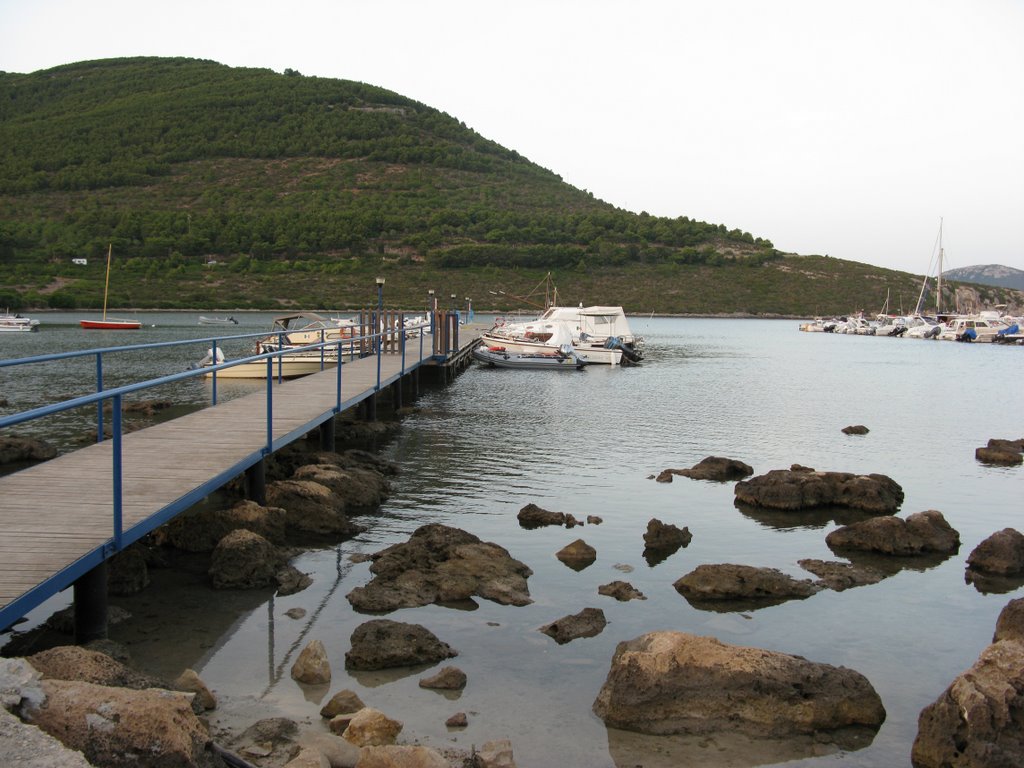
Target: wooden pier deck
57	517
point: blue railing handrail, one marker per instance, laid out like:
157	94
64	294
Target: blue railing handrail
127	348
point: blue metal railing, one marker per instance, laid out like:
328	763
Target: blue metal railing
352	346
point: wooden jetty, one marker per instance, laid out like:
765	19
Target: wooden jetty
58	520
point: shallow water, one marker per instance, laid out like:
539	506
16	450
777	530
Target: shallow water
588	443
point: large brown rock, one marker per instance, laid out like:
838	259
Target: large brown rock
441	564
922	533
532	516
725	582
358	488
119	727
72	662
244	560
311	507
384	644
1010	624
678	683
1001	554
976	722
804	488
201	531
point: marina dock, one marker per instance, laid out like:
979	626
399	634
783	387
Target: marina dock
64	518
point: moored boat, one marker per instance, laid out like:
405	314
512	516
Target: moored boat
563	358
16	323
204	320
109	323
599	334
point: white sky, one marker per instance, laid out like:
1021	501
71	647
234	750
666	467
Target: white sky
841	128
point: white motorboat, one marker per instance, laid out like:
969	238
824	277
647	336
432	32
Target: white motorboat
16	323
971	328
204	320
300	329
598	334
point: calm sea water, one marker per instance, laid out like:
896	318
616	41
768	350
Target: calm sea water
588	443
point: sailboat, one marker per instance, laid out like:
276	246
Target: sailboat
110	323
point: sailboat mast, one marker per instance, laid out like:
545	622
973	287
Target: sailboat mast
106	283
938	281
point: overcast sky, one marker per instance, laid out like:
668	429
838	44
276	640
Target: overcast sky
841	128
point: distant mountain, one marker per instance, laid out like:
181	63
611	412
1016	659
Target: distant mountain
988	274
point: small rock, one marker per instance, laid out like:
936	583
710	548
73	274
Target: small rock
372	728
291	580
385	644
594	520
587	623
621	591
343	702
494	754
458	720
312	666
577	555
308	758
339	723
191	682
728	581
391	756
448	679
532	516
295	613
1001	452
717	468
856	429
665	537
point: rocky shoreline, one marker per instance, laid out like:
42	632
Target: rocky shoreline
658	684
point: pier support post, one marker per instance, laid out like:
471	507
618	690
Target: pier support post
90	595
256	483
396	395
327	436
371	407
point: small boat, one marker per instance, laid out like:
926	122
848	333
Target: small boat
204	320
16	323
564	358
301	328
109	324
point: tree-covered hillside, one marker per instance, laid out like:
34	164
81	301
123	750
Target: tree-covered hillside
302	188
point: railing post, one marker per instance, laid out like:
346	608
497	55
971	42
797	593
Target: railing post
213	362
337	400
270	405
99	403
115	429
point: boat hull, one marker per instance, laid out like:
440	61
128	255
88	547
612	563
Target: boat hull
592	355
111	325
291	367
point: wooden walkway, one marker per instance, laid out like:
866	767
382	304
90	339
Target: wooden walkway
56	517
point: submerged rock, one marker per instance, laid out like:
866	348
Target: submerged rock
587	623
1001	554
621	591
440	564
678	683
804	488
577	555
920	534
716	468
385	644
1001	452
839	576
730	582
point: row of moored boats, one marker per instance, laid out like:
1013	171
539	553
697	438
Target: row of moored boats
988	326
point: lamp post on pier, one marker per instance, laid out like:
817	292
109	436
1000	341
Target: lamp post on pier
431	309
469	310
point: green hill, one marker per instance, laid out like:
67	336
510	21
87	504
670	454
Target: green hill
245	188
